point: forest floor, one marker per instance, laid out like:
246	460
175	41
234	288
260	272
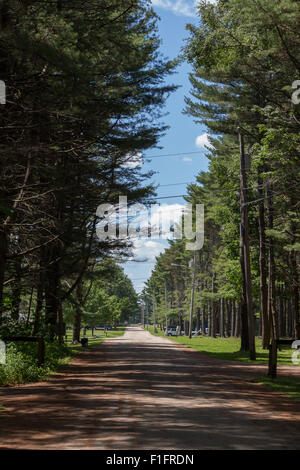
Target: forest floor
139	391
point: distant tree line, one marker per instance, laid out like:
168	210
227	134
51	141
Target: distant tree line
246	61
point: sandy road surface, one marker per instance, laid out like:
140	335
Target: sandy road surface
143	392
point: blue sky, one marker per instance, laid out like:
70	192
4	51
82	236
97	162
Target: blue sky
183	136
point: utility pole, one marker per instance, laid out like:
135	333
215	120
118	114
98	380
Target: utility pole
246	248
154	315
166	305
192	295
143	315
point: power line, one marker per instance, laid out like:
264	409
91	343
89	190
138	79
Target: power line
222	190
270	196
173	184
168	197
172	155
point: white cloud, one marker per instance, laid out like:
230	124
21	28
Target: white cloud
149	248
202	141
187	159
133	160
169	214
179	7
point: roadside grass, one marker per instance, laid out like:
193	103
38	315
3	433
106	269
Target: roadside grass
228	348
287	385
21	358
95	340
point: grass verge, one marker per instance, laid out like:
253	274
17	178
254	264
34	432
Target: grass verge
228	348
288	385
95	340
21	358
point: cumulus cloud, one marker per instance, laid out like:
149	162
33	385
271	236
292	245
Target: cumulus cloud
202	141
149	248
179	7
133	160
165	217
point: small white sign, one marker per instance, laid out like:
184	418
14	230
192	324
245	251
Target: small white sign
2	353
2	92
296	354
296	94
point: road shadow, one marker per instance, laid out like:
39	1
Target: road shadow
149	395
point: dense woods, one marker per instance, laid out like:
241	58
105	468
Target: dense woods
245	58
85	87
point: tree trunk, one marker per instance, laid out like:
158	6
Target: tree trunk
213	310
77	317
295	295
246	249
222	320
198	319
233	318
39	294
238	314
60	323
29	307
227	318
272	372
39	305
16	290
243	303
265	325
271	274
3	254
52	300
203	321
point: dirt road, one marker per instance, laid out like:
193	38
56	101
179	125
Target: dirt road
143	392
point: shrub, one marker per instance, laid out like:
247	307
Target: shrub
21	362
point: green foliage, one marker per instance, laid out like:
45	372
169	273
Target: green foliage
245	56
85	90
22	366
109	297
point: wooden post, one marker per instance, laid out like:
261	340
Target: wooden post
271	296
166	305
213	309
143	315
192	296
41	351
246	248
154	315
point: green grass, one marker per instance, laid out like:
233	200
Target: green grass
287	385
21	358
93	341
228	348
